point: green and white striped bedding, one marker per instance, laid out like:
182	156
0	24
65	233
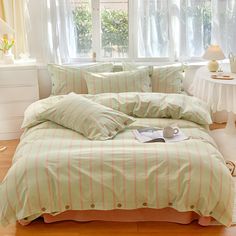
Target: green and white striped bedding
56	169
146	105
93	120
167	79
124	81
164	79
67	79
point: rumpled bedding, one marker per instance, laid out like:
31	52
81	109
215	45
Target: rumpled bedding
143	105
56	169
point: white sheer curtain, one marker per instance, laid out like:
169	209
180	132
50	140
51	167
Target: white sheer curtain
183	29
224	24
175	29
51	31
153	28
195	28
14	13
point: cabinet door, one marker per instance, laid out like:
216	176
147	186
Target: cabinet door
18	85
12	109
18	94
18	89
10	129
11	78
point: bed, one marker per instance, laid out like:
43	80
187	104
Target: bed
59	174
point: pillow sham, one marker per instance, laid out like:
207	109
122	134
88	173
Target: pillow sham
164	79
67	79
127	66
167	79
124	81
94	121
34	110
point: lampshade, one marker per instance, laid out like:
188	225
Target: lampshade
214	52
5	28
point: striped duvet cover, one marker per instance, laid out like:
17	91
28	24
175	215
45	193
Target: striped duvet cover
56	169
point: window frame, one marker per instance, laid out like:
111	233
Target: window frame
133	43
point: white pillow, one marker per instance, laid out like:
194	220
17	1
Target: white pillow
119	82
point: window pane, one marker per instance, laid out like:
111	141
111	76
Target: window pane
115	28
153	28
198	25
83	25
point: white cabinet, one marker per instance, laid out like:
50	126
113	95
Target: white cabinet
18	89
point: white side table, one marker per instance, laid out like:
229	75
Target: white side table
18	89
221	96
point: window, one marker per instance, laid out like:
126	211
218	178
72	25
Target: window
82	15
115	28
101	27
142	29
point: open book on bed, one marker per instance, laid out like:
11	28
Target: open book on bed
151	135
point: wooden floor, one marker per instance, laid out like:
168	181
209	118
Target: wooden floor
38	228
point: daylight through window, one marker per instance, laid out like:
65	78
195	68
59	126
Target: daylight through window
142	29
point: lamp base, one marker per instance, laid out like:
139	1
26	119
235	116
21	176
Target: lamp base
213	66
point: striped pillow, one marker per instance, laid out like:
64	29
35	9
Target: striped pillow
93	120
125	81
167	79
66	79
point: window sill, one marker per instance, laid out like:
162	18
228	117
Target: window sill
142	61
192	62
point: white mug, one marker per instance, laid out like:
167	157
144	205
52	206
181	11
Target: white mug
169	132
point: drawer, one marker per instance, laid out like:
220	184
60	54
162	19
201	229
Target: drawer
9	78
11	125
10	129
8	110
10	135
18	94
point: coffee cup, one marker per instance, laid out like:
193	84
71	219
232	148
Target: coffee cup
169	132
